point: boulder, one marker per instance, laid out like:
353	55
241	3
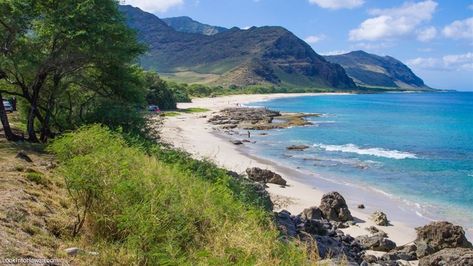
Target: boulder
450	257
297	147
286	224
375	231
265	176
334	207
361	206
376	243
311	213
380	218
407	252
439	235
22	155
236	142
316	227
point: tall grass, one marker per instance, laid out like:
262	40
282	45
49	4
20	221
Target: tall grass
151	210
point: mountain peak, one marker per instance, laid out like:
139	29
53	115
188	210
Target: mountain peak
372	70
188	25
259	56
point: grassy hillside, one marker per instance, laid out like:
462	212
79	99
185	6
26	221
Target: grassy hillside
147	205
257	56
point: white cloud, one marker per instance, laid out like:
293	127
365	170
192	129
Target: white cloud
459	29
154	5
337	4
470	6
313	39
455	62
395	22
426	34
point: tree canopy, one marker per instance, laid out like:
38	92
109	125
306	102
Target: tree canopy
68	59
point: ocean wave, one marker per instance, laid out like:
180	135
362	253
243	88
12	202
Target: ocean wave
379	152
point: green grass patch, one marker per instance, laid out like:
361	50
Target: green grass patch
170	114
194	110
36	177
156	206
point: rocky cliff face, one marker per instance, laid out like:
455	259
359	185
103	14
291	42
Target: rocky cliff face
378	71
259	55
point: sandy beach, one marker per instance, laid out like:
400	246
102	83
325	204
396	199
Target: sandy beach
192	133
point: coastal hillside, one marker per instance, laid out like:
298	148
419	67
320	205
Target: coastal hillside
187	24
270	56
370	70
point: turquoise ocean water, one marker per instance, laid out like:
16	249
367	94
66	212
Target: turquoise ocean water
416	148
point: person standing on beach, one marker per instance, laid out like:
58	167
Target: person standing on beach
249	134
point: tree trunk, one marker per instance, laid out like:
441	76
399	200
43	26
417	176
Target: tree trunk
9	135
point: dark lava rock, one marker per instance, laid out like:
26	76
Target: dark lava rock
449	257
407	252
297	147
439	235
361	206
335	208
376	243
286	224
23	156
265	176
311	213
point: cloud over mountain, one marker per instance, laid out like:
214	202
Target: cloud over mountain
337	4
154	5
395	22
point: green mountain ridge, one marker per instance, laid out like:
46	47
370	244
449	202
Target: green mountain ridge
187	24
370	70
270	56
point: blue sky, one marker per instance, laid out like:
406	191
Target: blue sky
434	37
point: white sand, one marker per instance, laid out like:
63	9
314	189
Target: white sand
192	133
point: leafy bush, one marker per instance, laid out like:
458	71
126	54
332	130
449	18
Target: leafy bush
165	209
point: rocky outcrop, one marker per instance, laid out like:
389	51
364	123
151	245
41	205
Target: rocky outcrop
258	119
334	207
297	147
439	235
407	253
380	218
320	233
376	243
265	176
450	257
312	213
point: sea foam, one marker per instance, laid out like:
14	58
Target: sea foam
379	152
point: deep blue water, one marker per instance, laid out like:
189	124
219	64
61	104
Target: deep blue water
417	147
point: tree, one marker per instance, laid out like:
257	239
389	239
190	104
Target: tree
158	92
54	50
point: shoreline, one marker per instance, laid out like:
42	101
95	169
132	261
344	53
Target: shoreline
192	133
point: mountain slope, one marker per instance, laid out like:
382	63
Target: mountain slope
264	55
187	24
377	71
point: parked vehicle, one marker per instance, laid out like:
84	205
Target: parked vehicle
8	106
154	109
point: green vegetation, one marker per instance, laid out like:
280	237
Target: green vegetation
149	205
